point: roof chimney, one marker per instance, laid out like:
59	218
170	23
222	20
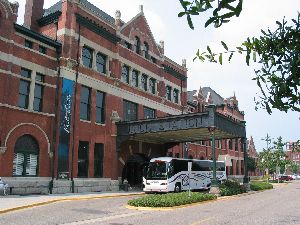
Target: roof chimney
33	12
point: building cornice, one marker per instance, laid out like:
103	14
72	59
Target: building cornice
37	36
97	29
51	18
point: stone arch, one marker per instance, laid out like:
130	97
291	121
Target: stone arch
30	124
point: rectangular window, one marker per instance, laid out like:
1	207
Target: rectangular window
144	82
100	106
25	73
40	77
38	98
24	94
168	93
130	111
135	78
85	100
28	44
98	160
83	159
42	49
101	63
125	74
176	96
87	57
149	113
152	82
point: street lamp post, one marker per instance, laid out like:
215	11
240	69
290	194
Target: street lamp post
214	182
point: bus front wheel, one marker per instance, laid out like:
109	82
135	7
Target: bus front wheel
177	188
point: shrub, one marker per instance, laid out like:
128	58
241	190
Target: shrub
257	186
170	199
230	187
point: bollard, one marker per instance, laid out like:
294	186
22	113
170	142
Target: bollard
125	182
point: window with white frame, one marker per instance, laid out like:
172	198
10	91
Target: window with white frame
87	57
144	82
168	93
135	78
152	82
101	62
125	74
176	95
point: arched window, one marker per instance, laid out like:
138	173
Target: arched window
137	45
101	63
26	156
146	49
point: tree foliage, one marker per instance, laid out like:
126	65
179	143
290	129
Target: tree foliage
277	53
251	164
273	157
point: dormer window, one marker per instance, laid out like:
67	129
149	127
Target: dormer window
137	45
146	50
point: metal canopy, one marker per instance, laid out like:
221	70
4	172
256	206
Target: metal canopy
181	128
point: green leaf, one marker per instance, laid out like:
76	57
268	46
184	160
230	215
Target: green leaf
230	57
209	50
221	58
224	45
209	21
189	19
181	14
239	8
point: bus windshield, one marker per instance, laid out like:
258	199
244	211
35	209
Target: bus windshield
156	170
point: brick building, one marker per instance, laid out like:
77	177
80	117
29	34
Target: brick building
229	150
292	150
71	76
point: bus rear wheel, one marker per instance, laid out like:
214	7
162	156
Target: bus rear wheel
177	188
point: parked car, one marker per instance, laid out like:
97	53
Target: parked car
285	178
296	177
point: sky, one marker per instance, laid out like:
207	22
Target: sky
236	77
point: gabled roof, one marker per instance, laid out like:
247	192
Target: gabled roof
86	4
141	16
216	98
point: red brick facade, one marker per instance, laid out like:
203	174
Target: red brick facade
61	62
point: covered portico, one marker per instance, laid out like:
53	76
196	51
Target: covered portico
172	130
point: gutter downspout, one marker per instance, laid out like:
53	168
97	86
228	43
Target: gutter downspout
74	112
54	143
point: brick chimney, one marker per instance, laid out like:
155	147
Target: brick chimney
33	12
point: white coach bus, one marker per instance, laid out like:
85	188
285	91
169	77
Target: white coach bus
166	174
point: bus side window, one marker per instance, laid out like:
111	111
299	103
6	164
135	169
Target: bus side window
196	166
170	170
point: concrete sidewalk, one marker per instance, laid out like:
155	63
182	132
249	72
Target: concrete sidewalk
10	203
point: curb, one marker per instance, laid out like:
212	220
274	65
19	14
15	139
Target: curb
64	199
223	198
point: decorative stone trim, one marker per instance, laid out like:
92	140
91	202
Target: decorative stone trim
3	150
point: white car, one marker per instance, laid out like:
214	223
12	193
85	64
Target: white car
296	177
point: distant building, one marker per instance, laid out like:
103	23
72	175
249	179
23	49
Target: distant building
293	151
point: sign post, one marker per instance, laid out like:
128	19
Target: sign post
189	170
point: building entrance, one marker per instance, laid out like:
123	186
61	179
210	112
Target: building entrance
133	169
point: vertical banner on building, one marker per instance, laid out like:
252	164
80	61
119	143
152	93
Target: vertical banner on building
64	128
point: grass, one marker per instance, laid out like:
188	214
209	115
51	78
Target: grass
170	199
258	186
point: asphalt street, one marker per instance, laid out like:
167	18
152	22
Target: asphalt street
279	206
